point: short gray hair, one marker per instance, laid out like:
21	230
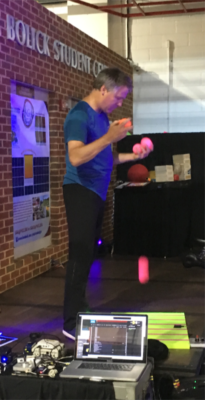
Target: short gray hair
111	78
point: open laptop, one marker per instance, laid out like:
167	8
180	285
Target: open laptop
109	346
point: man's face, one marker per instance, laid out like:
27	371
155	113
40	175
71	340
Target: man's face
112	99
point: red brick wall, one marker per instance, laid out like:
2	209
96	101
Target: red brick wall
27	66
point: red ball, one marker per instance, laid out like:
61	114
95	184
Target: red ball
146	142
138	173
137	148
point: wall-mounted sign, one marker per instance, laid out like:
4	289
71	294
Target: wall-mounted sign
38	41
30	169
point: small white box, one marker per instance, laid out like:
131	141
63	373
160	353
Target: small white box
187	171
164	173
182	166
181	158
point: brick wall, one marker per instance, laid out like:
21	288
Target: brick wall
21	64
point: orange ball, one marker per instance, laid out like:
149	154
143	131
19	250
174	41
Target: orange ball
127	125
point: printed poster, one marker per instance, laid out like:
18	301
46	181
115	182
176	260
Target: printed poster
30	169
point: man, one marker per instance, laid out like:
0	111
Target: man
89	162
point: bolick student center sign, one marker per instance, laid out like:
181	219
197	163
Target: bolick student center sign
38	41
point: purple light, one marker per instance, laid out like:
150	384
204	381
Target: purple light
99	242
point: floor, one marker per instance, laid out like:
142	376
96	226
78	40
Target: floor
36	305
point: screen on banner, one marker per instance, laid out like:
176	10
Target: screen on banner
30	169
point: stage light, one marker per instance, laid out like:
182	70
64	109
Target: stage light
99	242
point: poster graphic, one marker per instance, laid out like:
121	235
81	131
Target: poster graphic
30	169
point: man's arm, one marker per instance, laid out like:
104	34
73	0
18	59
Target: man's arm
80	153
120	158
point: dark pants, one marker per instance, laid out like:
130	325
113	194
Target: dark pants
84	210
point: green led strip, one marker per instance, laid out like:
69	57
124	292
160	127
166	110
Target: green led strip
161	327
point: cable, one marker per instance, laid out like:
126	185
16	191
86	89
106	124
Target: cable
63	363
49	334
152	388
32	336
164	386
19	341
65	357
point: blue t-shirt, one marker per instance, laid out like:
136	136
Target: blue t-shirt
86	125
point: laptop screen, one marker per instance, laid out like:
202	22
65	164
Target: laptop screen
116	336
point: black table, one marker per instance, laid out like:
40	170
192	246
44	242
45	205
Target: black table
153	220
28	388
182	363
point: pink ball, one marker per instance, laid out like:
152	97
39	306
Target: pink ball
143	269
147	142
137	148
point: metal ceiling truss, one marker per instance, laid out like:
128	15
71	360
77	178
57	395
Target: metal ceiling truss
179	7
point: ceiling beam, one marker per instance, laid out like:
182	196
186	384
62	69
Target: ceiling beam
173	12
148	4
139	8
51	2
84	3
183	6
109	8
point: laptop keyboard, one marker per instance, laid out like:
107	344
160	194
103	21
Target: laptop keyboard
107	367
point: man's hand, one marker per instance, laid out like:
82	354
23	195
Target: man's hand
144	153
117	131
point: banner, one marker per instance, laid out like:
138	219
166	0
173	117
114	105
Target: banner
30	169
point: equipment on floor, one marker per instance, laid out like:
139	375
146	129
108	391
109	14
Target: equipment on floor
191	388
197	341
195	260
